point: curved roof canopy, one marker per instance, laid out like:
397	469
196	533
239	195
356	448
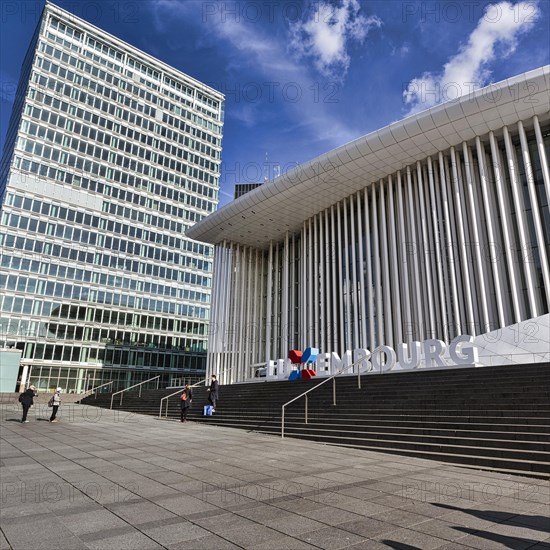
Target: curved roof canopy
281	205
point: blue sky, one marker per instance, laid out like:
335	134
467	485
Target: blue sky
302	78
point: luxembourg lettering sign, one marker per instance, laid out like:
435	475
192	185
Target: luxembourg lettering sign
431	353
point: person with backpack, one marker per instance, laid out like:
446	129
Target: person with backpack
185	400
27	400
55	402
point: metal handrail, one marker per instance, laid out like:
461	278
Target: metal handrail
134	386
97	388
175	393
333	378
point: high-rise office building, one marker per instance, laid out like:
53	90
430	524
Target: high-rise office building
110	156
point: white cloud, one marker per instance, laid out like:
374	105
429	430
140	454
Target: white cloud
500	27
277	74
325	34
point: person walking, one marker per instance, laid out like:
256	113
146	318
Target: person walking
55	402
27	400
213	392
186	400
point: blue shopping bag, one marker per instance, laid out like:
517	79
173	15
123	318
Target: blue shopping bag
207	411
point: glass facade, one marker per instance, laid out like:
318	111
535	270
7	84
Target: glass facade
110	156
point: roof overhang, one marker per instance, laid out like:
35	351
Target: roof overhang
283	204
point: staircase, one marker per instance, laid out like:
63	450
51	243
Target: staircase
492	417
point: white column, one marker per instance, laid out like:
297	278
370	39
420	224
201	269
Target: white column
304	289
334	282
386	276
521	224
479	271
268	319
284	298
241	325
230	278
437	244
379	313
537	221
315	283
417	315
430	332
505	229
249	317
276	305
354	292
346	272
340	280
369	268
404	262
322	276
394	270
543	159
25	378
254	319
462	246
292	296
310	286
329	260
260	347
363	296
480	149
214	340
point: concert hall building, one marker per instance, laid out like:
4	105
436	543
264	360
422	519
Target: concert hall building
433	227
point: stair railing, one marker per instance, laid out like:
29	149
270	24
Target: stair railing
97	388
166	397
157	378
305	394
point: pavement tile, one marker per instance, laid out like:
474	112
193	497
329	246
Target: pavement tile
220	523
167	535
254	534
369	544
401	518
91	522
331	516
265	514
184	504
140	511
36	534
330	538
285	543
128	541
210	542
295	524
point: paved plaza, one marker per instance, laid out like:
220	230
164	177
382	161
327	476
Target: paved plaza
103	479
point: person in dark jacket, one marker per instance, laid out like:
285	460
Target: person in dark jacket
213	392
186	399
27	399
